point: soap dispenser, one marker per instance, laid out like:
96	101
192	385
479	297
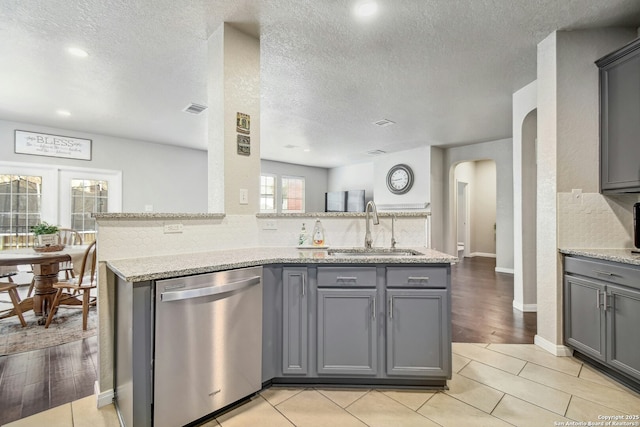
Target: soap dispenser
302	239
318	234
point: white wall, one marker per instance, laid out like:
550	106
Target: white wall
419	160
525	103
568	140
315	181
171	179
483	209
480	176
500	152
438	177
357	176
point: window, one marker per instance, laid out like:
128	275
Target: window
20	208
292	194
87	197
64	196
267	193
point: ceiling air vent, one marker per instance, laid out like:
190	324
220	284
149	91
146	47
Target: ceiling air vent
376	152
383	123
194	108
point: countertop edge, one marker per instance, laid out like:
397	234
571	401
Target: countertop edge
119	267
620	255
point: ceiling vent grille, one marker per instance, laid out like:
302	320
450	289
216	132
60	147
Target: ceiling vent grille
383	123
194	108
376	152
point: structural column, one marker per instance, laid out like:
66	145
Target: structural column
234	122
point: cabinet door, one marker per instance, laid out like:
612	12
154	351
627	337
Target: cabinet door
620	127
584	316
347	337
294	321
418	333
623	319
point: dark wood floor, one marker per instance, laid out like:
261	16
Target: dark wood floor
482	309
35	381
482	305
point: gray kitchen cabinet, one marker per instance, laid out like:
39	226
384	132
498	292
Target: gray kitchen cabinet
584	319
347	332
619	124
602	313
295	312
417	339
623	311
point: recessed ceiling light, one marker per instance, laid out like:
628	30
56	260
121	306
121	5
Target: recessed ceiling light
366	8
76	51
307	150
64	113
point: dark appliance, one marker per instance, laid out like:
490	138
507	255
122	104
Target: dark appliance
355	201
636	227
335	201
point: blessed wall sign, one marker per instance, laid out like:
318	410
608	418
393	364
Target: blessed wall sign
43	144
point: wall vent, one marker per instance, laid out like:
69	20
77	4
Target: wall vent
376	152
383	123
194	108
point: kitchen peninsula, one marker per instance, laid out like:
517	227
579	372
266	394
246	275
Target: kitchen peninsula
377	318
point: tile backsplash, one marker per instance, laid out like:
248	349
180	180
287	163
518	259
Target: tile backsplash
591	220
131	238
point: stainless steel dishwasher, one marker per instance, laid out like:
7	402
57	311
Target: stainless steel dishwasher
208	343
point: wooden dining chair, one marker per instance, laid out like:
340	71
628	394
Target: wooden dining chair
83	283
68	237
12	289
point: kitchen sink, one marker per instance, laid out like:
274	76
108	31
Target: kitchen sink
374	252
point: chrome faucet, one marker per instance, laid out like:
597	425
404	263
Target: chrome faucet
393	232
371	207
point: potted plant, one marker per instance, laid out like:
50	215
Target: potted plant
46	234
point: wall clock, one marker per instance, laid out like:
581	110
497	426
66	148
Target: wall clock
399	179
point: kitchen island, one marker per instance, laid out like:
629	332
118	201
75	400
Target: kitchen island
368	319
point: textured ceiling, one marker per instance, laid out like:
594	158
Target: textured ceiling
443	70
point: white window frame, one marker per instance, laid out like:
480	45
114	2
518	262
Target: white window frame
275	195
114	198
56	187
48	202
304	194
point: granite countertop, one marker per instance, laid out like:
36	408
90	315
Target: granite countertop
166	266
615	255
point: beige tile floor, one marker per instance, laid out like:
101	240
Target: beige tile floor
492	385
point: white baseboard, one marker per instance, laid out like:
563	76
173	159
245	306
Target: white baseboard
527	308
557	350
483	254
105	398
504	270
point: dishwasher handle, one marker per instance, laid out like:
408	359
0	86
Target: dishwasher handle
209	290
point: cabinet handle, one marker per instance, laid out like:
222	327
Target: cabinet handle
390	307
347	278
606	306
598	304
374	308
304	284
418	278
604	273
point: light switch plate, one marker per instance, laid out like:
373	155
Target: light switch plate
173	228
270	224
244	196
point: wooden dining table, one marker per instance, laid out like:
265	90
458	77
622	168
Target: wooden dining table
45	266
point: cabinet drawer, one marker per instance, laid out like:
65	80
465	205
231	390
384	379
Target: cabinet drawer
346	276
416	277
602	270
